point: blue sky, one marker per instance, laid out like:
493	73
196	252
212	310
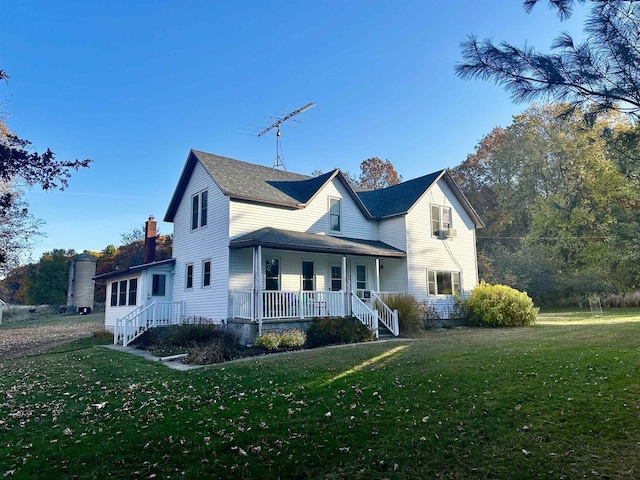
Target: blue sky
134	85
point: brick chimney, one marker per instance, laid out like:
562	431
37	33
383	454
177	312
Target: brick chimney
150	233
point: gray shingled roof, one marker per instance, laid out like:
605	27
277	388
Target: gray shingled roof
397	199
269	237
247	181
239	179
257	183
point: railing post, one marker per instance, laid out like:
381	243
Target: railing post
115	332
375	322
396	323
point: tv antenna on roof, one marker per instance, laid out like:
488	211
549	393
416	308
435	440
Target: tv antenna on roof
278	161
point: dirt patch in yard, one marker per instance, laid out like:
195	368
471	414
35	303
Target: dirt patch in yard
26	341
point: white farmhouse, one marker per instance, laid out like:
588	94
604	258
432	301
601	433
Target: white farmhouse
257	247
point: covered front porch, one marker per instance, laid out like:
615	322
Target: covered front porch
283	275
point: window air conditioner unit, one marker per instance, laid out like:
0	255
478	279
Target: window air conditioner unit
447	233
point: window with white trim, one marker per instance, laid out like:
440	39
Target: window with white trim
361	277
443	282
336	278
206	273
133	291
272	274
189	276
440	219
335	215
199	210
114	294
124	292
308	278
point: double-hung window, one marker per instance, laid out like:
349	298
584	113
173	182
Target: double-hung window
272	274
336	278
189	276
308	283
206	273
440	220
443	282
199	210
335	215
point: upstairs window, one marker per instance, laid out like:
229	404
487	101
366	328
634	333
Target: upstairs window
440	220
443	283
335	215
204	200
199	210
195	208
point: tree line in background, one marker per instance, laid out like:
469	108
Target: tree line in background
47	281
558	188
560	201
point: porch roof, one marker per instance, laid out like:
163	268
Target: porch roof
269	237
133	269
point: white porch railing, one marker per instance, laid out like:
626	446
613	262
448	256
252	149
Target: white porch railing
289	304
243	304
155	314
362	312
388	317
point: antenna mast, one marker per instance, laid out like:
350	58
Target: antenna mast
278	161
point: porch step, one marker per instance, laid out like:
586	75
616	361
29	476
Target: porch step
384	333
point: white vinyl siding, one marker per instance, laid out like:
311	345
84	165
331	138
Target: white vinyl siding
314	218
424	251
192	246
144	287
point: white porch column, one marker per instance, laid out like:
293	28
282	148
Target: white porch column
259	287
377	275
346	293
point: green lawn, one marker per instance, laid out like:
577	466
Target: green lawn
558	400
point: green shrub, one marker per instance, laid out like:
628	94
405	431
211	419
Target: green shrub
410	312
337	330
268	340
500	306
293	338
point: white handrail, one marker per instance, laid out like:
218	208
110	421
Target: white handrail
388	317
362	312
136	322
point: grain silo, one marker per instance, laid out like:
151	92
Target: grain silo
80	294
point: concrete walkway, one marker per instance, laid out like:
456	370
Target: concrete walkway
175	364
